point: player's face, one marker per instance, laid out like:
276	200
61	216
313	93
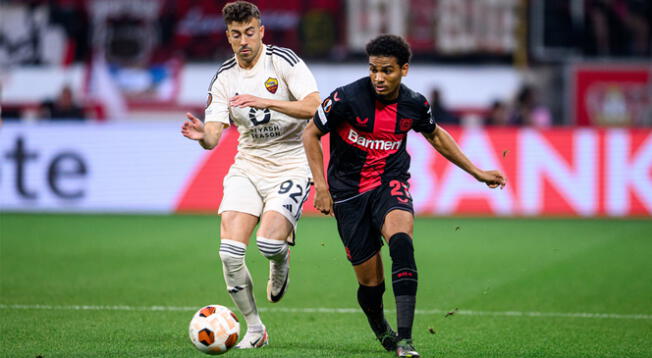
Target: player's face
246	39
386	75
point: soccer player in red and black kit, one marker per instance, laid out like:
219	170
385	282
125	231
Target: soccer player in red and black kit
367	188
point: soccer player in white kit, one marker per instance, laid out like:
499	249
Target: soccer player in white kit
269	94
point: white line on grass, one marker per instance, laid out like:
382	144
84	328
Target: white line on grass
331	310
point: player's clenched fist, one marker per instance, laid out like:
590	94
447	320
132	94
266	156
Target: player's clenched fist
493	178
323	202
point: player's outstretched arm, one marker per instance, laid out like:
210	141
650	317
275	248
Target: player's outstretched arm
444	143
304	108
312	144
207	134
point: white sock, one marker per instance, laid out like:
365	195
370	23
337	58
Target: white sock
238	281
275	250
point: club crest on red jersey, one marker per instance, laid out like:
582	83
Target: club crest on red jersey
271	84
405	124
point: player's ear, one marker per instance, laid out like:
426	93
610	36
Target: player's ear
404	69
228	34
262	31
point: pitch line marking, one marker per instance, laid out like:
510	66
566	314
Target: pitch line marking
332	310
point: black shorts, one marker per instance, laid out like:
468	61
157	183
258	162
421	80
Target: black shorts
360	218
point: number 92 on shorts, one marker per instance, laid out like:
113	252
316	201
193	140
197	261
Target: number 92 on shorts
254	192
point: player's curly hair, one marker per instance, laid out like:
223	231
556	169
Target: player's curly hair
390	45
240	11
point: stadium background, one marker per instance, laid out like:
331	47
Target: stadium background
557	94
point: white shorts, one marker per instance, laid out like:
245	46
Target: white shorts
254	191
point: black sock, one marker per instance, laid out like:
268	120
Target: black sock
370	299
404	282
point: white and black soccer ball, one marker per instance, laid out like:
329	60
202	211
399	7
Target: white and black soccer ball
214	329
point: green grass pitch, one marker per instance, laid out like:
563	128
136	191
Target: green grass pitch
85	285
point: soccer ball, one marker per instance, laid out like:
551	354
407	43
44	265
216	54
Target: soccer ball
214	329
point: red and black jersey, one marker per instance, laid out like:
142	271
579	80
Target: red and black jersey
368	136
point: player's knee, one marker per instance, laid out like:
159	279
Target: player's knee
272	249
370	280
368	272
232	254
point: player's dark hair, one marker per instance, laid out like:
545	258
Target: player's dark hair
390	45
240	11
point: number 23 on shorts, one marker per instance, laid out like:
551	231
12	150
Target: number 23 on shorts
400	190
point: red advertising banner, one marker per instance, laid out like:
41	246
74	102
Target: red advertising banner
567	172
611	94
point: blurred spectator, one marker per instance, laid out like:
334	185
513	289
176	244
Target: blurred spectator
439	111
618	27
22	28
126	33
63	107
498	114
199	31
71	16
528	111
37	32
640	16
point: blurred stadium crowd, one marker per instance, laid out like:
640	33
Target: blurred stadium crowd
572	62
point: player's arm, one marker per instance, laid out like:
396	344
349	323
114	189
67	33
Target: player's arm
312	144
444	143
300	83
207	134
304	108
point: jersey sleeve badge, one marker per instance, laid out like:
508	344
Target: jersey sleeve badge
327	104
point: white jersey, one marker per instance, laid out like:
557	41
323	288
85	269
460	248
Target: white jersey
267	138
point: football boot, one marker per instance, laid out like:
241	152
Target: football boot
279	278
404	348
254	340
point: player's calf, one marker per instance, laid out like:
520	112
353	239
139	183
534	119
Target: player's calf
236	275
404	282
239	283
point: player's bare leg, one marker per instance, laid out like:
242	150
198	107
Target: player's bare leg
271	240
235	230
398	231
370	276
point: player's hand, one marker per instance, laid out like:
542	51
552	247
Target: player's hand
193	128
493	178
247	100
323	202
